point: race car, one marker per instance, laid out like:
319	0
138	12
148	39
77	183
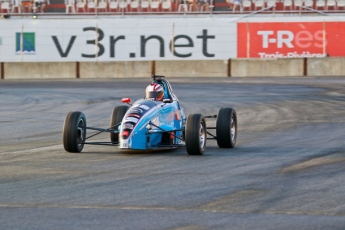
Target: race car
155	122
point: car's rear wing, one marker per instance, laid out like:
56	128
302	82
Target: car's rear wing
157	77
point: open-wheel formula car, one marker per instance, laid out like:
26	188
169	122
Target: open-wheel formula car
154	123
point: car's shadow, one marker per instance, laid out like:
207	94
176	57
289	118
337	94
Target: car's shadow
139	152
209	151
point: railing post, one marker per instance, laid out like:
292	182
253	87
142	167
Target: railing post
77	70
305	67
2	71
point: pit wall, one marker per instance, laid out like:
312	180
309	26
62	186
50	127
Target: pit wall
139	69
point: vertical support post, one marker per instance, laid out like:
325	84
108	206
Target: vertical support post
229	67
153	67
305	67
77	70
2	71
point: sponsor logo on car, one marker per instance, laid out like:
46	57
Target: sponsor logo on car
131	119
133	115
144	107
136	110
128	126
124	144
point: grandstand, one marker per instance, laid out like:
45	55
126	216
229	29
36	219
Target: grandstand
123	7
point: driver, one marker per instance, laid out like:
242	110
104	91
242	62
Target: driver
155	91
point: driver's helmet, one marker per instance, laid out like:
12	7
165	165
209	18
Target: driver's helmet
155	91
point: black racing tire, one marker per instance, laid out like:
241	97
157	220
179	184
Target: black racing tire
74	132
116	117
196	134
226	128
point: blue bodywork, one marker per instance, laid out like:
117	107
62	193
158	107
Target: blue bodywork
150	124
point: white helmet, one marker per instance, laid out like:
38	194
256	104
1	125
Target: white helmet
155	91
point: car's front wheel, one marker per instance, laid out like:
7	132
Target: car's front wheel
226	128
74	132
195	134
116	117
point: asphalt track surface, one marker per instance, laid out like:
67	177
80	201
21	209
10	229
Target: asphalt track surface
287	170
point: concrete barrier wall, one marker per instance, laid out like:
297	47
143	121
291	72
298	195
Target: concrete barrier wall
225	68
44	70
192	68
267	67
115	69
326	67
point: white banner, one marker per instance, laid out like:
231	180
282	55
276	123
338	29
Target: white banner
116	39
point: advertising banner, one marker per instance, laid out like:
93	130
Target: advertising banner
117	39
290	39
167	38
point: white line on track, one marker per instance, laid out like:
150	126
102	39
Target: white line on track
278	212
42	149
53	147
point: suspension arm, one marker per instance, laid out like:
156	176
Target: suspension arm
168	131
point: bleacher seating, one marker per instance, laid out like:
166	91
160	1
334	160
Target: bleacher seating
174	7
56	6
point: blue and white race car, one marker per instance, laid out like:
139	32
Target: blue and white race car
154	123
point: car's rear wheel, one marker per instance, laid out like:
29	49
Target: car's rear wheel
74	132
196	135
226	128
116	117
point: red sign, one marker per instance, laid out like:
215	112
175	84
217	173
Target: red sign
290	39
